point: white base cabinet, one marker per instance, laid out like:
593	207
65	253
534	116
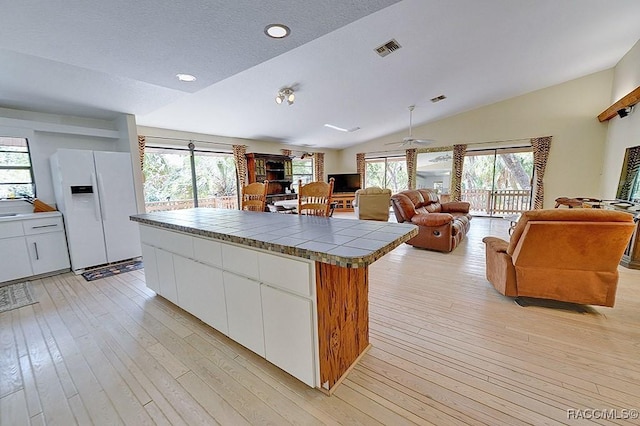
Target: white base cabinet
288	332
265	302
36	245
201	292
19	266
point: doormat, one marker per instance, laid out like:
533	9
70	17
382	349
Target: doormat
15	296
111	270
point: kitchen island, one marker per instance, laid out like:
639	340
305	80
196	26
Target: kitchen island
293	289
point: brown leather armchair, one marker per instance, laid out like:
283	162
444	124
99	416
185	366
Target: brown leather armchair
570	255
442	226
372	203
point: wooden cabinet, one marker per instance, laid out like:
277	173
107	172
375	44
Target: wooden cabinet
344	201
277	169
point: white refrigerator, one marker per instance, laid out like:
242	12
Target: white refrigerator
95	192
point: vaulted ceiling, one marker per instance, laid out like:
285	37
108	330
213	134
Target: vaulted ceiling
96	58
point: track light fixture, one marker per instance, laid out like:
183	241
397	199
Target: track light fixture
622	113
286	94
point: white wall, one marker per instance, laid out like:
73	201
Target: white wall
622	132
48	132
566	111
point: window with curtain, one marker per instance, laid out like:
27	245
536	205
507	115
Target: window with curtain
302	169
16	173
168	183
387	172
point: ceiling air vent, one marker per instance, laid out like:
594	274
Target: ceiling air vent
389	47
438	98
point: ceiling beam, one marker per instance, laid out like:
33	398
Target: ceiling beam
628	100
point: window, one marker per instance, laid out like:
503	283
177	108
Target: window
168	183
302	169
387	172
16	174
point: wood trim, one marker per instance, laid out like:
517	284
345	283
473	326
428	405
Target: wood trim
343	319
628	100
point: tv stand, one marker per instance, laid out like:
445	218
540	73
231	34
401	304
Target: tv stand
344	201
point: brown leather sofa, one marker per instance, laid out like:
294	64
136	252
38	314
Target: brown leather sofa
442	226
570	255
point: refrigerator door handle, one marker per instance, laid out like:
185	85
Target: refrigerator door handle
101	192
96	201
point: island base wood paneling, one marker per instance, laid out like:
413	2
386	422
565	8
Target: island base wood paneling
343	320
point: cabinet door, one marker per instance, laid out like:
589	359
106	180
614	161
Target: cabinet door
288	170
48	252
201	292
150	267
244	311
288	333
166	276
19	265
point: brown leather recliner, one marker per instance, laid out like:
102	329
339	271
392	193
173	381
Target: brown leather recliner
570	255
442	226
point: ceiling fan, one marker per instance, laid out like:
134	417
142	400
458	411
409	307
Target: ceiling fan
410	140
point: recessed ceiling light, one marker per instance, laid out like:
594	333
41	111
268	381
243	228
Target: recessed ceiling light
186	77
277	30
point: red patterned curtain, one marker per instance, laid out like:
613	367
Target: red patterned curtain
318	166
361	167
459	152
541	147
239	152
412	159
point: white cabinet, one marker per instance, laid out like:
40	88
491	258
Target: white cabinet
15	263
166	275
47	252
244	311
150	267
36	245
288	333
201	292
264	301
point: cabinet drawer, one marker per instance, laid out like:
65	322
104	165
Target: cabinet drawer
41	226
170	241
207	251
285	273
11	229
240	260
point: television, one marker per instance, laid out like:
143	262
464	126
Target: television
345	182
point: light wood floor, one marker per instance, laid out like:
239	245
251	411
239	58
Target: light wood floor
447	349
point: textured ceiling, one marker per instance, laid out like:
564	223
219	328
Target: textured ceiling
94	58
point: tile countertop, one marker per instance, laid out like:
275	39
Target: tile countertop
7	217
348	243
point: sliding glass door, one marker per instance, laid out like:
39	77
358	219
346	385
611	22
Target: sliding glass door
387	172
497	182
169	184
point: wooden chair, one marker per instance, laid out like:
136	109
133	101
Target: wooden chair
314	198
254	196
